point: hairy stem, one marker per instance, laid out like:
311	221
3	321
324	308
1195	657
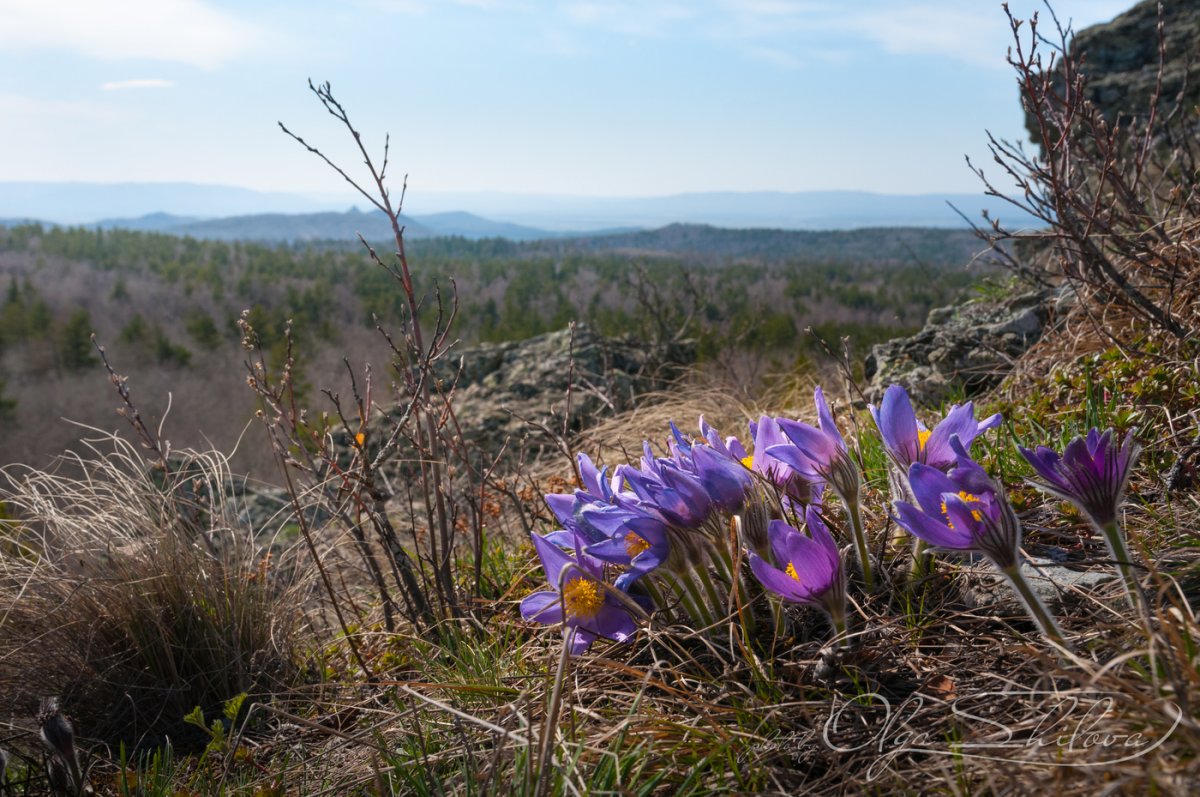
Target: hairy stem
1033	604
854	516
1120	554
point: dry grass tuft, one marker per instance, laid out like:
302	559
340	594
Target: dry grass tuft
135	595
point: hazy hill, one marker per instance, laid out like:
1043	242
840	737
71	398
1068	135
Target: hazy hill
84	203
275	227
468	225
489	214
803	210
896	245
151	222
329	226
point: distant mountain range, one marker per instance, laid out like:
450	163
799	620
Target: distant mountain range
804	210
225	212
886	245
328	226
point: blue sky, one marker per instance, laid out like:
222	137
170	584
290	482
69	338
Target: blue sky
595	97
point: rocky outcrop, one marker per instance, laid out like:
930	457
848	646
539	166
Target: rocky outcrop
502	391
504	385
962	350
1120	60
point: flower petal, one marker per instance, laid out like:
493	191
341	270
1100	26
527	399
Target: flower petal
613	621
928	483
777	581
581	640
825	419
563	507
897	424
554	561
543	607
933	531
817	447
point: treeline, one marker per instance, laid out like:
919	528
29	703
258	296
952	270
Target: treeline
503	290
169	305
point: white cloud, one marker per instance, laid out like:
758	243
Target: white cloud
911	29
137	83
778	58
414	7
423	7
969	32
640	19
181	31
30	112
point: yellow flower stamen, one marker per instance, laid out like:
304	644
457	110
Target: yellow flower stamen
635	544
582	598
967	498
748	461
922	438
791	571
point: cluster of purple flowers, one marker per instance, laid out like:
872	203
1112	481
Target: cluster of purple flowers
670	532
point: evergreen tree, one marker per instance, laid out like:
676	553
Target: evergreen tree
8	407
75	341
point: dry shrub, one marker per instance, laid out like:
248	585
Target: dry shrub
1116	188
136	595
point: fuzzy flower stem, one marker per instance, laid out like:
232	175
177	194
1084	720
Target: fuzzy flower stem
716	602
694	602
922	561
778	618
854	516
1120	554
734	576
838	621
1033	604
722	560
656	595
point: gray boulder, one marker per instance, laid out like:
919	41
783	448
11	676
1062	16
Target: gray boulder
501	391
982	589
503	383
962	351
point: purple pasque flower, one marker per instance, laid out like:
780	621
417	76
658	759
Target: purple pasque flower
1092	473
595	481
807	569
908	441
675	493
961	510
791	481
597	490
726	480
729	446
578	599
819	452
715	462
965	510
636	538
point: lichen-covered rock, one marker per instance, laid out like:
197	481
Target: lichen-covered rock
499	388
503	383
984	590
962	350
1120	61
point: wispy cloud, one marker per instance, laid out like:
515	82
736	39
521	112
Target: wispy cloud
414	7
961	33
423	7
770	55
181	31
31	112
629	18
137	83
